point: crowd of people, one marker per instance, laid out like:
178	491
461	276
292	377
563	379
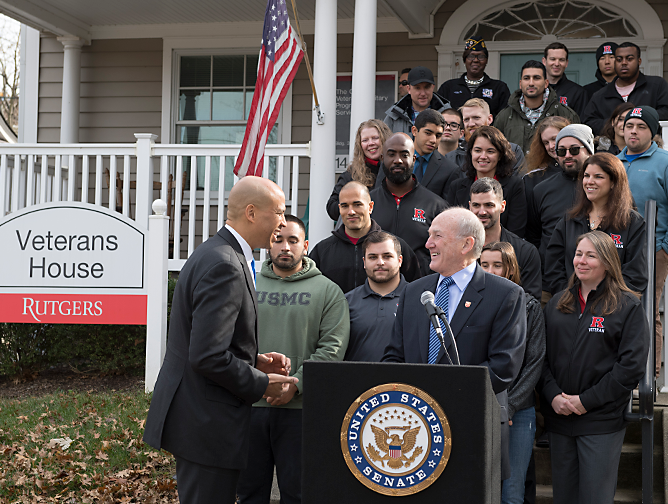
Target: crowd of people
525	222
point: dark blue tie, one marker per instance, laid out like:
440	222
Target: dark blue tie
253	268
442	300
419	169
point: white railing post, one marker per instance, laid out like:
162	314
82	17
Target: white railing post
144	177
156	286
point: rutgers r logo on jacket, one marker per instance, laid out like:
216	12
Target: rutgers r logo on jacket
419	216
618	240
597	324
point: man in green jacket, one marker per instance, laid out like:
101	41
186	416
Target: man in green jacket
530	104
304	315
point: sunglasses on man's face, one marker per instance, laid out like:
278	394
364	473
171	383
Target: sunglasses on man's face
403	83
573	150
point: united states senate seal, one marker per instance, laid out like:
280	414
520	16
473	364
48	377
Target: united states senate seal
396	439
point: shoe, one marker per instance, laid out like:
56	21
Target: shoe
543	441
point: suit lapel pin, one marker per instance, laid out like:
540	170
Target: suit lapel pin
467	304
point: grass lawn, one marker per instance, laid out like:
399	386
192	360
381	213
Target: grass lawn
105	462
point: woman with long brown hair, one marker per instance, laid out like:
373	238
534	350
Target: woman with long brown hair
603	202
369	140
489	154
597	340
541	162
498	258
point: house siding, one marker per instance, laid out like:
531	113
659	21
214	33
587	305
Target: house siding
121	89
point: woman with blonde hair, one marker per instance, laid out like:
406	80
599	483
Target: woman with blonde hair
597	345
498	258
369	140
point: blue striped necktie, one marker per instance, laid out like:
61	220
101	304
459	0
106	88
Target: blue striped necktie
253	269
442	300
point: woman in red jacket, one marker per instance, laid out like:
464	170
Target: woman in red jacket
597	344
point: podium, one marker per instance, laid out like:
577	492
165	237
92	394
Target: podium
408	433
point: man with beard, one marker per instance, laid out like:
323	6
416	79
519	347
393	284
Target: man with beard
304	314
631	85
554	196
475	114
403	207
475	83
605	73
373	306
487	203
340	257
531	103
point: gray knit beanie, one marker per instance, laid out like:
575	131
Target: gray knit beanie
580	132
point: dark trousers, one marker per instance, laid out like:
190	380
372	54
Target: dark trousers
275	439
200	484
584	468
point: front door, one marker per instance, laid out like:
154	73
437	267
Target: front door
581	67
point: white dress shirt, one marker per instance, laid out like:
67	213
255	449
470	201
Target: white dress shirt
461	281
245	248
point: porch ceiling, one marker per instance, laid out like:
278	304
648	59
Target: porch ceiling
80	17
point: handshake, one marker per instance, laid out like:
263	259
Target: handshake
281	387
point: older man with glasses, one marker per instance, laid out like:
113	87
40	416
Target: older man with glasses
475	83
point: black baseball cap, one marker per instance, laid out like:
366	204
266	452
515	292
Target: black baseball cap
420	74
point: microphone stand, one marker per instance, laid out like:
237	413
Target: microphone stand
441	315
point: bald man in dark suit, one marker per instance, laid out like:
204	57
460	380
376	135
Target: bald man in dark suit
487	313
212	373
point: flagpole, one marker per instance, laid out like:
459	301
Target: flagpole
319	113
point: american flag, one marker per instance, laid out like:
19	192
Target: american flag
280	56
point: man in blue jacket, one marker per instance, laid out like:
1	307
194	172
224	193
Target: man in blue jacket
647	169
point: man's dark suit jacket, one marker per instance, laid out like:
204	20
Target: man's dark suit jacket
490	332
437	177
202	399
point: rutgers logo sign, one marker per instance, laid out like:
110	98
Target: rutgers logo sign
597	324
418	215
618	240
564	100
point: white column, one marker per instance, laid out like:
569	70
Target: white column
69	113
323	136
363	103
29	85
156	285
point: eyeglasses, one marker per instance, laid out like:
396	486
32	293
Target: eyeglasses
452	126
479	57
573	150
403	83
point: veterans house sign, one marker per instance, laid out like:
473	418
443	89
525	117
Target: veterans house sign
71	262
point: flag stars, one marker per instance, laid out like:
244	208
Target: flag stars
273	18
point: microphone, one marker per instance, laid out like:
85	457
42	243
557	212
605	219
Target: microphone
427	300
435	312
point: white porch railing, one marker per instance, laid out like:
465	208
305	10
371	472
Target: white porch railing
194	180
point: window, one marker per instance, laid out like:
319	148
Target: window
566	19
214	99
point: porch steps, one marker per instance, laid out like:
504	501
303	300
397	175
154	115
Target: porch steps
629	479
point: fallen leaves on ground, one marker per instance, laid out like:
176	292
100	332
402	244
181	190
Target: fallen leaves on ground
106	460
